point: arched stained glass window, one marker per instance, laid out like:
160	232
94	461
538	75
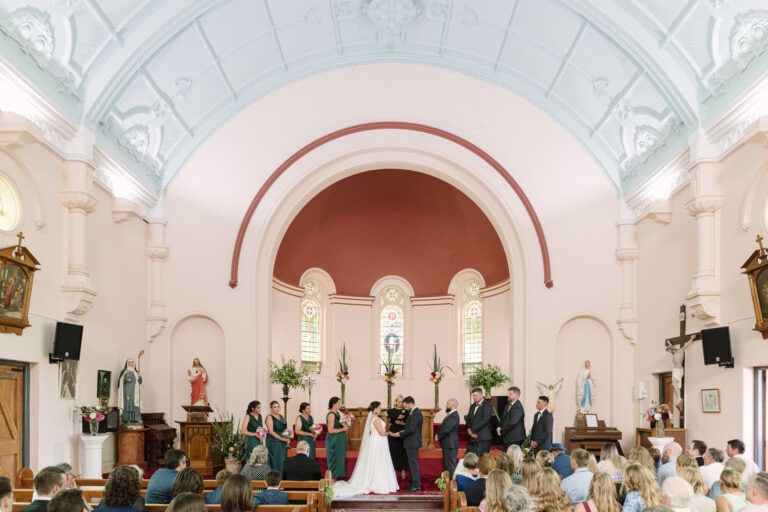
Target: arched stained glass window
472	329
310	329
391	330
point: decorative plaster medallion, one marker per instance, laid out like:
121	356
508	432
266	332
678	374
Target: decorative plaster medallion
393	18
160	109
470	16
31	28
602	86
183	85
313	15
440	10
749	37
646	139
137	138
343	8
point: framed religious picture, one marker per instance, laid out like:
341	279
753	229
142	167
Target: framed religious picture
68	379
103	384
17	270
591	420
710	400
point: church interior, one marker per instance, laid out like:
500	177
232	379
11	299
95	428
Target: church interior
526	184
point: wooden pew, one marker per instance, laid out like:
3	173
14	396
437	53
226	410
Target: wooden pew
18	505
25	478
447	492
454	495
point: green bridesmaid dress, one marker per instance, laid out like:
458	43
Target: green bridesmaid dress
336	450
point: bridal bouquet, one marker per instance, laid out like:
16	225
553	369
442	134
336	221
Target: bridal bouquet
288	433
317	429
262	433
347	420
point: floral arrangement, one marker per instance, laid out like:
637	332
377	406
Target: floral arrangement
288	433
488	377
328	492
441	483
347	420
526	447
92	413
227	441
436	375
261	432
289	374
390	372
659	412
343	374
317	429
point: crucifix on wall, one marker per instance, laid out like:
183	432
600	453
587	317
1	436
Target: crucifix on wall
676	346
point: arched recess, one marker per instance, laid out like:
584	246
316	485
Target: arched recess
756	193
32	214
197	335
388	149
584	337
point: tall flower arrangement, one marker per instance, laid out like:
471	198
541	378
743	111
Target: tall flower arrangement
390	373
342	375
488	377
656	415
436	375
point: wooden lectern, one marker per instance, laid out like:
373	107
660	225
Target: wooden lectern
197	437
355	434
590	436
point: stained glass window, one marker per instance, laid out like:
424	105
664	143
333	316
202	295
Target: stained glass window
472	330
310	335
391	336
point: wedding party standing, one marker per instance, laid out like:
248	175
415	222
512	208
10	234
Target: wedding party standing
396	416
479	421
448	436
374	472
252	422
277	444
303	427
512	425
336	440
541	430
411	436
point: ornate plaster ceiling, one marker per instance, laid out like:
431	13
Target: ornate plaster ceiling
631	79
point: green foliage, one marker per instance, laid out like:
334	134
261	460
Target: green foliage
441	483
488	377
227	441
289	374
328	492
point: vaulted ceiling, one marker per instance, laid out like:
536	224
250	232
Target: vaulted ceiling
631	79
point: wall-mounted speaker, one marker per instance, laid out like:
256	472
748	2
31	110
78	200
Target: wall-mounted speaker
66	342
716	344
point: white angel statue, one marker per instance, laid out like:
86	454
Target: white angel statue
550	391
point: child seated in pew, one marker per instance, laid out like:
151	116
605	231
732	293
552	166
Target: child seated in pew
121	492
272	495
214	497
187	502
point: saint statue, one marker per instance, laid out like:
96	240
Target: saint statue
198	378
585	388
678	370
129	397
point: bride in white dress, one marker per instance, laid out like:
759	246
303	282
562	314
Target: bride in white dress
374	472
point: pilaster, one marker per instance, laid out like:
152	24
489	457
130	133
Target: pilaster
157	252
627	253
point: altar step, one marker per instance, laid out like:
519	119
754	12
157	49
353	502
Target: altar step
418	502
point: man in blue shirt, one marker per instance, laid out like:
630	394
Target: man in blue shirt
576	486
159	486
562	463
214	497
669	459
272	495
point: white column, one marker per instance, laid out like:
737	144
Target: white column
626	253
705	203
157	252
90	455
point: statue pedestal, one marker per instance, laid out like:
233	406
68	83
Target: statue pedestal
130	447
90	455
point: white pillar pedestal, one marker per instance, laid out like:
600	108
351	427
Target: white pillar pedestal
90	455
660	442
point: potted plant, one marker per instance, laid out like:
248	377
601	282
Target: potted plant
228	443
290	375
488	377
436	375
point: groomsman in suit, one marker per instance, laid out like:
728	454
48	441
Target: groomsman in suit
479	421
411	435
541	431
512	425
448	436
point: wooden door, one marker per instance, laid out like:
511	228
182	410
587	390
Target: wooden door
11	419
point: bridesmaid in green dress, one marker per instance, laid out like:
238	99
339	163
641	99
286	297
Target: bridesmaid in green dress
336	440
277	445
303	427
251	423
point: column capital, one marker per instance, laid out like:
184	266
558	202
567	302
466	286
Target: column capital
77	200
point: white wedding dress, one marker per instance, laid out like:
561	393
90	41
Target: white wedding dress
374	472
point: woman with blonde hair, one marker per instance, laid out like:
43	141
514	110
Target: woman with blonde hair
545	458
642	488
686	461
516	458
643	456
732	499
700	501
529	471
611	462
550	495
504	462
602	495
497	482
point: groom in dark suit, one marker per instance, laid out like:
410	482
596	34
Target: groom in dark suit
541	431
411	435
479	421
512	425
448	436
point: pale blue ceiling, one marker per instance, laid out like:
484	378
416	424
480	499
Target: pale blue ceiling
631	79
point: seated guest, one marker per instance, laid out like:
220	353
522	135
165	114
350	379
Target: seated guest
473	446
576	486
545	458
6	495
48	482
550	496
737	465
736	448
498	480
656	456
562	462
700	502
475	491
732	499
237	494
187	502
159	486
187	480
272	495
121	490
257	468
677	493
642	488
611	462
515	454
529	470
301	466
504	462
214	497
470	473
669	458
757	493
713	466
643	456
68	500
697	449
686	461
517	499
67	469
602	495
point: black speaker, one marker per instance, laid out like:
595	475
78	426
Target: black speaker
716	344
66	342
